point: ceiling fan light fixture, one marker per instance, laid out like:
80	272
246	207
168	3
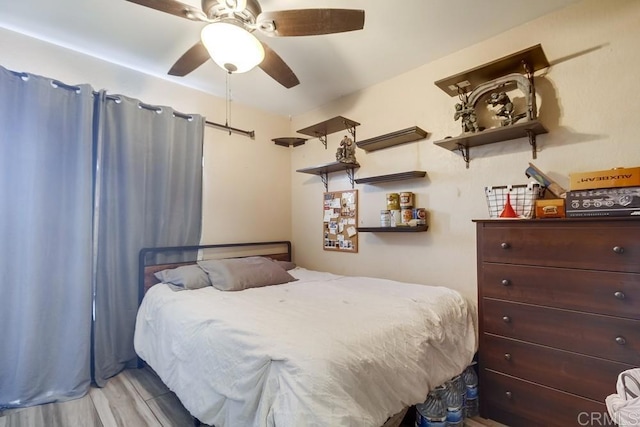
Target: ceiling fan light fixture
232	47
236	5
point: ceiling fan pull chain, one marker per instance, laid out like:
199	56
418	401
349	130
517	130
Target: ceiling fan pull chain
228	102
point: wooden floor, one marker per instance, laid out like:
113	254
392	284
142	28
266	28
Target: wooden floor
135	397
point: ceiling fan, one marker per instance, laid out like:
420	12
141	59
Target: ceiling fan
228	38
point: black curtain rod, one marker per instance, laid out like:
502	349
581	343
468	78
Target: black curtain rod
250	133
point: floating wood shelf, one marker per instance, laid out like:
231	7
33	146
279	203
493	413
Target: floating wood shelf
463	142
289	141
324	170
336	124
398	229
391	177
391	139
533	57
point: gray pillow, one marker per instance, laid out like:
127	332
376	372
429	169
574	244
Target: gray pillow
236	274
287	265
185	277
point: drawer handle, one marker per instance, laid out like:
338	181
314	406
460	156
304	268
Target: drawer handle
619	295
506	282
509	395
621	340
618	249
505	245
507	356
506	319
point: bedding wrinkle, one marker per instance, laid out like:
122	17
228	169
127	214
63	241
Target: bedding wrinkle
325	350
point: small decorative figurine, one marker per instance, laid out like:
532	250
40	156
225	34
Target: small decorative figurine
346	152
466	112
506	109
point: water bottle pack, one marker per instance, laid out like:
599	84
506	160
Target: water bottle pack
448	405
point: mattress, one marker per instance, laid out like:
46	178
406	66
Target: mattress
325	350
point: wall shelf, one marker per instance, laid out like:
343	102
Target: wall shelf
391	139
512	70
398	229
532	58
289	141
402	176
324	170
465	141
336	124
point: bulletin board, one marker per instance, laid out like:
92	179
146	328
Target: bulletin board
340	221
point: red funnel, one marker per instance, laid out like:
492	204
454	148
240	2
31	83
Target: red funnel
508	211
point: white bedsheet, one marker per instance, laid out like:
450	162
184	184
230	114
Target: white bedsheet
325	350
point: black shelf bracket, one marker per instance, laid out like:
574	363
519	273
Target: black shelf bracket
532	141
351	129
464	150
351	176
324	176
323	138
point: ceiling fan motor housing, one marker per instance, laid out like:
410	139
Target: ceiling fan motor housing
216	9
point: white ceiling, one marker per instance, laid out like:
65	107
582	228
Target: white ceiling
394	40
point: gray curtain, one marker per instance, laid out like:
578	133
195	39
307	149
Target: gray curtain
45	239
86	181
148	193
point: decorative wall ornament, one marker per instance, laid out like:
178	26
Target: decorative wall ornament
346	152
466	108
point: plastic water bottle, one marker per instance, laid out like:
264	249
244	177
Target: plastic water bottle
453	402
471	381
433	412
461	388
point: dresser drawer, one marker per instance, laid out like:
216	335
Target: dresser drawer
592	334
542	405
615	247
586	376
616	294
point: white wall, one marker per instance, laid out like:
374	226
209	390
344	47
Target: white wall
246	182
587	100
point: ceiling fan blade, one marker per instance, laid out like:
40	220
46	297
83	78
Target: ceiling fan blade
174	8
192	59
310	22
277	69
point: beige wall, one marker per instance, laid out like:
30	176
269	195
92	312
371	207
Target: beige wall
587	100
246	182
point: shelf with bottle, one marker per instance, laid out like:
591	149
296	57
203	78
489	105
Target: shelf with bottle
396	229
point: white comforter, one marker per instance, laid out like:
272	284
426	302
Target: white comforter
325	350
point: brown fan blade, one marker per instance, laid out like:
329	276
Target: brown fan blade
174	8
192	59
277	69
310	22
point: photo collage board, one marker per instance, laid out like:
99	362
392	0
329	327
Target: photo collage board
340	221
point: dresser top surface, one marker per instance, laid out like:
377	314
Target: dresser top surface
558	220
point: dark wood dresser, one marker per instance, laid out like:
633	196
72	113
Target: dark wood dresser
559	316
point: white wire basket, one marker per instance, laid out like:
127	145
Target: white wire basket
522	197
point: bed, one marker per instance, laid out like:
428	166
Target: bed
322	350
